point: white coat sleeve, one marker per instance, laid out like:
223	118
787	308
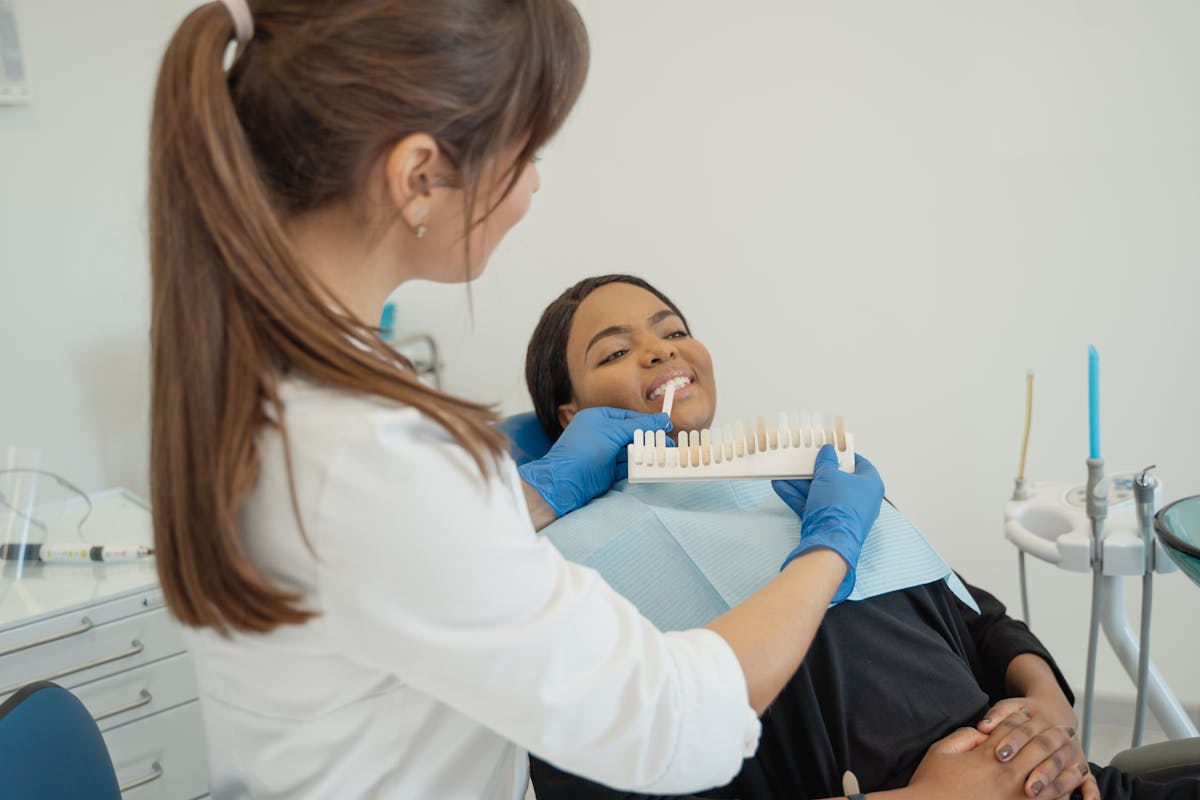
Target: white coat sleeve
432	574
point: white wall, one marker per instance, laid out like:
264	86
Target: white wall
74	280
883	210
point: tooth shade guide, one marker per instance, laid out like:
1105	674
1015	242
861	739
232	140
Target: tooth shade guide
639	445
732	452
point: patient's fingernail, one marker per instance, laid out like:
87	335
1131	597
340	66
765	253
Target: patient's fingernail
1083	769
987	720
1037	788
1005	753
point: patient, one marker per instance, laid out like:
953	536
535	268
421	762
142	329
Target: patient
890	671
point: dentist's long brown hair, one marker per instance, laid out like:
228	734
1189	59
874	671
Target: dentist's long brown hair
319	94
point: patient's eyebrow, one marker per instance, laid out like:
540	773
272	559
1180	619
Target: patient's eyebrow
611	330
617	330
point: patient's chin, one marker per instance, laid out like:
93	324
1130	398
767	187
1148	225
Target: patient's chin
689	422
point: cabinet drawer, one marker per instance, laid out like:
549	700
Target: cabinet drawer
161	757
15	637
94	653
139	692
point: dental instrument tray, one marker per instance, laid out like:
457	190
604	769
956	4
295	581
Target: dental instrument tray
783	448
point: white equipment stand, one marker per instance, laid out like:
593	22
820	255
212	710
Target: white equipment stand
1052	524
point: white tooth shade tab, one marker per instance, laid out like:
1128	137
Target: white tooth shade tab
668	398
754	450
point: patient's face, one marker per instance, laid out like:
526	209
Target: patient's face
624	346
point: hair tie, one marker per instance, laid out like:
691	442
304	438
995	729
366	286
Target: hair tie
243	21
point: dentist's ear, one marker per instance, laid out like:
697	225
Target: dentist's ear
566	413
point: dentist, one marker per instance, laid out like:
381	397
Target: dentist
354	556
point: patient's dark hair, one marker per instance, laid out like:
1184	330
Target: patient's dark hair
546	358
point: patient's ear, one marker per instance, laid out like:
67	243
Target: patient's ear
566	413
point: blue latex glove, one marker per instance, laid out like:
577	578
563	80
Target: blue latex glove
588	457
837	509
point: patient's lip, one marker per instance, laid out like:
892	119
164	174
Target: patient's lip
666	376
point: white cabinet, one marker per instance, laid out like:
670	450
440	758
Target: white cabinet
103	632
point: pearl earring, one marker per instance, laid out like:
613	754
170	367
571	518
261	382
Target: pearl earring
419	217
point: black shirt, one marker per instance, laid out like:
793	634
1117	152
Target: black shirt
884	678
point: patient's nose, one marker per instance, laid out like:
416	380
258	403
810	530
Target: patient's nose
658	352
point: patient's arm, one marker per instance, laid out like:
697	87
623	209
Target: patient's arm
1014	665
999	639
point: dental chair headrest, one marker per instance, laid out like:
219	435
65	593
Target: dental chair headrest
529	441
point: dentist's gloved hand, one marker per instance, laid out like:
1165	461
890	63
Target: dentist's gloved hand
589	456
837	509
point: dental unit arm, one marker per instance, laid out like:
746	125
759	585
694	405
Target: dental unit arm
1102	527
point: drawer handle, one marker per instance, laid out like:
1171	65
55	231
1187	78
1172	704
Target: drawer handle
84	626
143	698
155	773
135	648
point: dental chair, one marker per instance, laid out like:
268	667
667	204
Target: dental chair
1161	762
50	747
527	439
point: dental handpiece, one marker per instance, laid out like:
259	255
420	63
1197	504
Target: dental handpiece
1097	511
1143	496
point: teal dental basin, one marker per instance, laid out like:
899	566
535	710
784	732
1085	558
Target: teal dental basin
1178	528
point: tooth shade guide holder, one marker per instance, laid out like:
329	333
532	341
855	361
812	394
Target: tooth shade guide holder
753	450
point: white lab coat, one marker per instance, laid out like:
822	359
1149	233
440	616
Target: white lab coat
451	637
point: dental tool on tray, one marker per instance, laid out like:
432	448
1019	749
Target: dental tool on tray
756	450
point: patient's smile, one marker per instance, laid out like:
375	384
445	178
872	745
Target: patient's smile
661	388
